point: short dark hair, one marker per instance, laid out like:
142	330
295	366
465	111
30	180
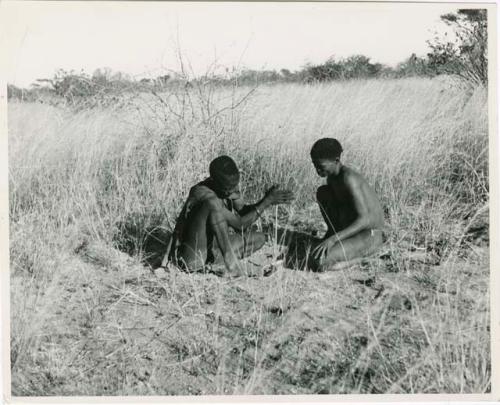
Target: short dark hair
326	148
223	169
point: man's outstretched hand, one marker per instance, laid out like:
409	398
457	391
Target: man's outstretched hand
321	250
276	196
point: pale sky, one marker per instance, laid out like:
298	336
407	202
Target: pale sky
141	38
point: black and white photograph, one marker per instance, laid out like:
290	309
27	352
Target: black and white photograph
241	199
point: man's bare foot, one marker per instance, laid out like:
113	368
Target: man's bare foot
340	265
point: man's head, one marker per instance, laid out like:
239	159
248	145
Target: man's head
325	155
225	175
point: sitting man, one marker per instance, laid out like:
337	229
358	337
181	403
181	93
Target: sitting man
202	236
350	208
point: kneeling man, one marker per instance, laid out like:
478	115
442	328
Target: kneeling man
350	208
202	235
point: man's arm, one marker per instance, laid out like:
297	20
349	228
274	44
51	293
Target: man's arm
220	218
238	203
248	214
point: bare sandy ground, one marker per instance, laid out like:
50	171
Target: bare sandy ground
118	327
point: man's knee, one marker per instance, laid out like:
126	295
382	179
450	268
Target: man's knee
258	239
254	241
364	244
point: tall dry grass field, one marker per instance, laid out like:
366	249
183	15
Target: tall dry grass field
89	317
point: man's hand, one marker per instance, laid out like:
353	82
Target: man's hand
321	250
276	196
234	196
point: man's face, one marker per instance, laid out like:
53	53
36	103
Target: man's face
326	167
226	188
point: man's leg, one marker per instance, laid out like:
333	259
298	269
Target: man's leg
252	242
327	207
209	236
192	253
356	247
235	246
243	245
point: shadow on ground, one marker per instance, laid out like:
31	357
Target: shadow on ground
297	247
150	243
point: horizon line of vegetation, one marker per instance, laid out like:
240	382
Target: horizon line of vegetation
464	57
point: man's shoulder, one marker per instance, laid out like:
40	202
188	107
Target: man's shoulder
202	191
352	176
